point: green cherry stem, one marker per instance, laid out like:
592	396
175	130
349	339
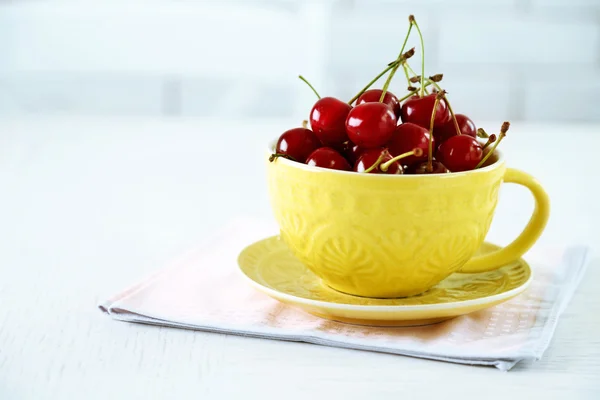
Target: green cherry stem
375	164
439	96
382	73
412	71
437	86
400	100
404	66
482	133
501	136
414	22
403	57
416	152
458	132
405	38
391	75
309	85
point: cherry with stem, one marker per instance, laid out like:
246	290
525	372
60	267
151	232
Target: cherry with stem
371	160
417	152
409	136
310	86
375	164
296	144
370	125
501	136
328	121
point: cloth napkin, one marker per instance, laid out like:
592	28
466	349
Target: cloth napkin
204	290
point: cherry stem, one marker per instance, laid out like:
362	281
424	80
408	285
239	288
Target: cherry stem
305	124
403	57
391	75
406	72
491	139
400	100
501	136
375	164
416	152
277	155
382	73
482	133
434	83
430	148
309	85
458	132
414	22
405	38
414	73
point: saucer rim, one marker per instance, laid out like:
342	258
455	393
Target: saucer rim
385	308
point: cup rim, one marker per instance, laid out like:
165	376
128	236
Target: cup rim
496	164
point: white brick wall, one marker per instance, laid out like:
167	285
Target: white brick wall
516	59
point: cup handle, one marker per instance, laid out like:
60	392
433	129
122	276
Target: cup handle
527	238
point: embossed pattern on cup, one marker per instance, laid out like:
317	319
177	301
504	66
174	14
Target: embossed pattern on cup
380	235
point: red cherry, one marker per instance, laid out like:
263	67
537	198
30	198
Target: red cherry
371	125
326	157
465	124
328	121
422	168
352	152
371	156
407	137
418	110
460	153
373	96
297	143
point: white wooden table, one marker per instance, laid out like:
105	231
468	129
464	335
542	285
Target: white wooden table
89	206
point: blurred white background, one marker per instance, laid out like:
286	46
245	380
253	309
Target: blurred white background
532	60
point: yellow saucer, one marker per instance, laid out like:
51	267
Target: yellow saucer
271	268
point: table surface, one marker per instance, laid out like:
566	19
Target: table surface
90	205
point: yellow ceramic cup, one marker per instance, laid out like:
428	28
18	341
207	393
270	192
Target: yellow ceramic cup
377	235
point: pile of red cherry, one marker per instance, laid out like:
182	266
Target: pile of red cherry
376	132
